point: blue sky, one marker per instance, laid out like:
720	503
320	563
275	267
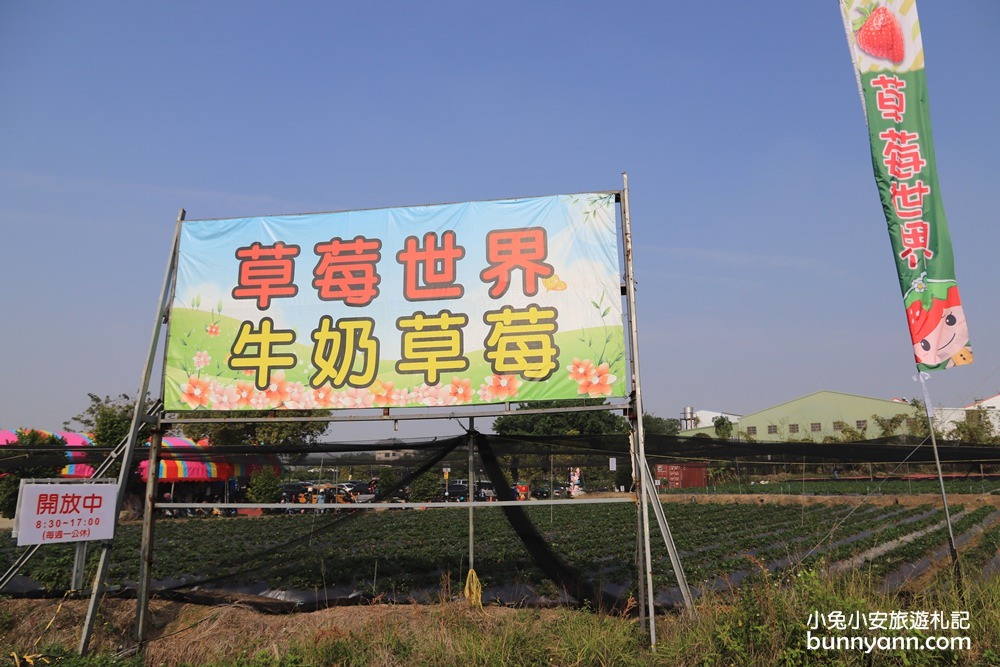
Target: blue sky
763	265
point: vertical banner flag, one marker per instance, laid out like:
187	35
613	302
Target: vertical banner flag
455	304
884	37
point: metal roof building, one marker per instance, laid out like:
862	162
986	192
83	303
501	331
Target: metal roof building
817	416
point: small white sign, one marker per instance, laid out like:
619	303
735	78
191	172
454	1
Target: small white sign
53	511
613	464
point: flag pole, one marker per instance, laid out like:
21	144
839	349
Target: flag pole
953	550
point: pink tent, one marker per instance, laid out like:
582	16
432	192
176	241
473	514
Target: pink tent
72	440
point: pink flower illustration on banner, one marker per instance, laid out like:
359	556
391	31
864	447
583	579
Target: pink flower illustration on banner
422	393
430	395
259	400
499	388
225	397
277	389
323	397
460	389
244	393
381	393
399	397
357	398
581	371
201	359
299	397
443	396
196	392
597	383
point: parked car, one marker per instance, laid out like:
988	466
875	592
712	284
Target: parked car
337	495
359	487
458	491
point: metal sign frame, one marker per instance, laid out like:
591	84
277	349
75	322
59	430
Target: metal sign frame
645	489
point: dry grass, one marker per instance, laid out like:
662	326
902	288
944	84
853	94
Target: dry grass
762	623
193	634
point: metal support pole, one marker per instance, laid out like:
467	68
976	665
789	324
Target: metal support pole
146	546
79	561
138	418
472	492
668	539
552	485
952	549
640	537
645	494
635	417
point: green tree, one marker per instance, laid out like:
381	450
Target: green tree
427	487
264	486
388	477
723	427
240	432
107	419
527	467
919	427
43	465
977	428
561	422
850	434
888	426
658	425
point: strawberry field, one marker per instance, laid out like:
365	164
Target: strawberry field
409	555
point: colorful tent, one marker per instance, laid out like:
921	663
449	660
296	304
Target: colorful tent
186	468
76	440
182	459
73	440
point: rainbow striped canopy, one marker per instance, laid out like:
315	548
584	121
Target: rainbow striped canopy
190	469
193	466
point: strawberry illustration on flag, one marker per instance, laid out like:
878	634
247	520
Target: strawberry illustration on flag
879	33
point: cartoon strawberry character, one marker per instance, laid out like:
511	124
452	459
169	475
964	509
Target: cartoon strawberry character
879	33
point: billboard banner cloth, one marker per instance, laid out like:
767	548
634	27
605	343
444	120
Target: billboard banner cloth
885	42
455	304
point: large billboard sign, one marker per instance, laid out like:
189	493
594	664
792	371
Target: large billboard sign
456	304
884	37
